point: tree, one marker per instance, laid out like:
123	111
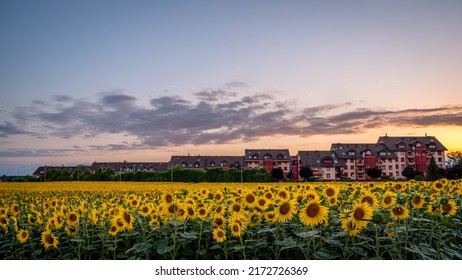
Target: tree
409	172
290	176
433	171
306	172
455	158
277	174
454	172
374	173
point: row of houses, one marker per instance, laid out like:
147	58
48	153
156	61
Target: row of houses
350	160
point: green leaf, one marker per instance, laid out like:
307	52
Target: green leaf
163	249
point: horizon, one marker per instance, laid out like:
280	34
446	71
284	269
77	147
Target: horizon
97	81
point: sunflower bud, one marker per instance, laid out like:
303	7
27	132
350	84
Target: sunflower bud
444	201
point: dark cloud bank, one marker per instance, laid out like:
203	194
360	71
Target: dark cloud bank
218	116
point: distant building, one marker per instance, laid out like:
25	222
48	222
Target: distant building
324	164
208	162
42	170
127	166
269	159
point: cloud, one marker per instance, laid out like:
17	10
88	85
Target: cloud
213	119
8	129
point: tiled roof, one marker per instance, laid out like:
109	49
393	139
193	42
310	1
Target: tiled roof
319	159
274	154
43	169
206	162
356	150
406	143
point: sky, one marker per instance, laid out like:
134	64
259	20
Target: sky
85	81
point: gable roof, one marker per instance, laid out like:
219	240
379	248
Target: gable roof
319	159
356	150
428	142
207	161
273	154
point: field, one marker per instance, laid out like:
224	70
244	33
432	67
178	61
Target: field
116	220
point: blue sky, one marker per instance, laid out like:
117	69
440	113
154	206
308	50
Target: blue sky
141	80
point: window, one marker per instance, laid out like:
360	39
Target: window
402	159
285	168
212	163
439	153
440	159
255	156
327	168
328	175
267	156
352	153
396	166
279	156
346	167
197	164
390	167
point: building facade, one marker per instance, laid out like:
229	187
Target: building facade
268	159
324	164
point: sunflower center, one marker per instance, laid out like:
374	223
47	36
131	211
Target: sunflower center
190	211
218	222
202	212
282	194
359	214
24	234
49	239
284	209
447	208
236	208
438	185
416	199
72	217
261	202
387	200
250	198
220	234
235	228
398	211
330	192
367	199
127	218
312	210
169	198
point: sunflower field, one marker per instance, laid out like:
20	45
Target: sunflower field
231	221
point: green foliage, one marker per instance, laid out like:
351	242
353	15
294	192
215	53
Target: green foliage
306	172
433	171
374	172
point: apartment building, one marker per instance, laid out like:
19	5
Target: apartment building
268	159
324	164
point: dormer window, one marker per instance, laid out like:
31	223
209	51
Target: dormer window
197	164
401	145
224	163
254	156
280	156
352	153
267	156
212	163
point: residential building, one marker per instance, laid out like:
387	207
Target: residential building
208	162
324	164
359	157
268	159
42	170
415	152
126	166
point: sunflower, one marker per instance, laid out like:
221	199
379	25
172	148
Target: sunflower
15	209
369	198
190	212
71	231
58	221
249	199
219	221
202	213
219	210
388	199
113	230
181	214
262	203
417	200
330	191
255	218
350	227
72	218
22	236
270	217
235	208
313	213
126	218
449	209
311	195
268	195
283	195
219	235
361	213
167	198
218	196
236	229
285	210
49	240
438	185
399	212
